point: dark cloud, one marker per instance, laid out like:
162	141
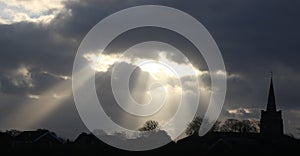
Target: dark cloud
254	37
38	46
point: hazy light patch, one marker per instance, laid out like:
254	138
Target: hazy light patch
175	79
182	69
102	62
59	96
174	90
234	76
221	73
37	11
16	16
64	77
228	75
35	112
3	21
239	111
34	6
201	73
22	77
32	96
157	70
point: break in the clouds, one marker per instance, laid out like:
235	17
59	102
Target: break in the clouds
39	40
156	80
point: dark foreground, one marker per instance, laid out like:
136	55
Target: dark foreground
46	143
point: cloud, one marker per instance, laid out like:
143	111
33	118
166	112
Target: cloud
28	80
239	111
22	77
31	96
37	11
243	113
102	62
39	40
34	6
16	16
45	49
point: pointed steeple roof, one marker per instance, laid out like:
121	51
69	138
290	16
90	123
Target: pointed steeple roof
271	107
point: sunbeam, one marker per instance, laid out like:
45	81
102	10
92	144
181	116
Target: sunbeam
36	110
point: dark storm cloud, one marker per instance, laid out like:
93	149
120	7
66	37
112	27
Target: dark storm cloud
35	45
51	47
254	37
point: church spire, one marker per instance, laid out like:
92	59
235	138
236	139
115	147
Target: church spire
271	123
271	107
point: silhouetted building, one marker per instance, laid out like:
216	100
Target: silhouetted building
271	124
39	137
86	139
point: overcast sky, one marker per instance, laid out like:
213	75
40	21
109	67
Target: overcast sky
39	40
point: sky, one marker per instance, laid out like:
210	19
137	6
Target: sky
39	40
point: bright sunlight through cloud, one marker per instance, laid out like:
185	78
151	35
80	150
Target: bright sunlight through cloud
36	11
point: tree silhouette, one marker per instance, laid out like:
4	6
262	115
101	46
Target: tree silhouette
229	125
13	132
149	126
244	126
194	126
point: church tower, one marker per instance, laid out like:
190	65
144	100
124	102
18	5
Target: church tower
271	123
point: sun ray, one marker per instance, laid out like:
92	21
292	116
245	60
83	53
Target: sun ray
35	110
